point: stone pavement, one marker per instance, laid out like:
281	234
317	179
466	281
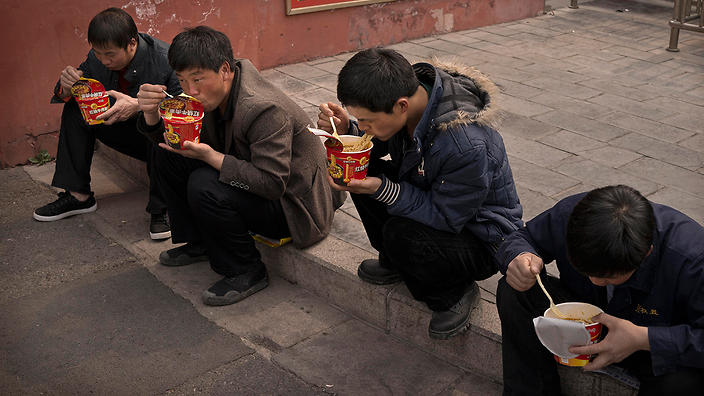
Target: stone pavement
591	98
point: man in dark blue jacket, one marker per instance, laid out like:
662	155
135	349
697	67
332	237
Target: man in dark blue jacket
121	59
439	206
641	262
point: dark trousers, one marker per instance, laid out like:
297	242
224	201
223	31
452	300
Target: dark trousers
204	210
436	265
77	144
529	368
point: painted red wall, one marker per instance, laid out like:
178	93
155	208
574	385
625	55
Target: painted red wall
43	36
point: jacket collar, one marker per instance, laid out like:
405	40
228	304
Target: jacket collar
426	125
136	66
644	277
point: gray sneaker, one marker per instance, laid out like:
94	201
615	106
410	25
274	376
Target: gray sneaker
159	227
228	291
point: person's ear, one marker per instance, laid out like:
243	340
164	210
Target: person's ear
402	105
132	44
225	70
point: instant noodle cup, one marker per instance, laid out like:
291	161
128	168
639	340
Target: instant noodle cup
183	118
577	329
92	99
344	164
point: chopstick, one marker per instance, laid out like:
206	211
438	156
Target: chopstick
167	94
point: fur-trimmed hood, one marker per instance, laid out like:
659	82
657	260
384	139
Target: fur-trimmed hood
468	95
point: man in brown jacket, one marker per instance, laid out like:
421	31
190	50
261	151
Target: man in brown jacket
256	168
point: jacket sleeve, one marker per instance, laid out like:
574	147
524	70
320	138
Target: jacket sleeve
155	132
55	98
543	236
457	191
682	345
270	137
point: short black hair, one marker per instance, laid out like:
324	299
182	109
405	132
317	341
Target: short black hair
610	231
375	79
200	47
112	27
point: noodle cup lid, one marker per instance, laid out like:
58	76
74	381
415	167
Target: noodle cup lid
181	109
557	335
87	89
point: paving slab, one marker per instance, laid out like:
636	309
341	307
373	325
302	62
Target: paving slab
250	375
371	363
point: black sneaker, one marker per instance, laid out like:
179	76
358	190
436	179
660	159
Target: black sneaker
189	253
159	227
228	291
454	321
373	272
65	206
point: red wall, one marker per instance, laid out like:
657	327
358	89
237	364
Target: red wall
44	36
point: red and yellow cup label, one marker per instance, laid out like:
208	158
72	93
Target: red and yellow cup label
344	166
92	99
183	119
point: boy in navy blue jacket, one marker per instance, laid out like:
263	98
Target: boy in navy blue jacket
439	205
641	262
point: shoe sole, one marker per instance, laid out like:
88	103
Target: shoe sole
174	263
39	217
437	335
160	235
377	281
214	300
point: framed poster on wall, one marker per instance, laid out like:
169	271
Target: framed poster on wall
294	7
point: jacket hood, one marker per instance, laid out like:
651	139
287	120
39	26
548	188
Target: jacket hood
472	94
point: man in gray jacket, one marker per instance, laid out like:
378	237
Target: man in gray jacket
256	168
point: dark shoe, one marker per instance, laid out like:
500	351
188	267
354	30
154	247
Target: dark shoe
183	255
373	272
159	227
228	291
65	206
454	321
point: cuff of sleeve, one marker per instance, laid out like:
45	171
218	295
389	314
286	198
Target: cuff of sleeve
58	91
155	132
662	349
388	192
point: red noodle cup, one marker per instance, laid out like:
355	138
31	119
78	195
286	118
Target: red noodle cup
183	118
584	311
92	99
345	166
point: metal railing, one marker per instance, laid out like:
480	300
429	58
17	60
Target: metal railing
687	15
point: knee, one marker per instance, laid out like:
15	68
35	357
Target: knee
507	299
201	186
399	231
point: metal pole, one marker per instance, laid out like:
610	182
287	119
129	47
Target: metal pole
675	24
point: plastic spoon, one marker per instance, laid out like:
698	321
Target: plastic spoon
319	132
553	307
334	129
